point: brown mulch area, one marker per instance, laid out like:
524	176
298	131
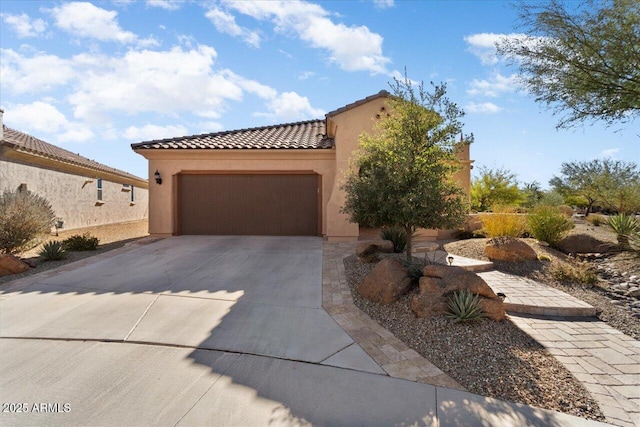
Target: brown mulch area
111	236
494	359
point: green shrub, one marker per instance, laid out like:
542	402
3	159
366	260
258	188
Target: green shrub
464	306
25	219
503	222
624	226
86	242
548	224
397	235
52	251
596	220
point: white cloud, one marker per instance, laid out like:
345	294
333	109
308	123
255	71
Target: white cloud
306	75
149	132
226	23
609	153
353	48
485	107
289	106
42	117
483	45
165	4
383	4
497	85
38	73
166	82
23	25
83	19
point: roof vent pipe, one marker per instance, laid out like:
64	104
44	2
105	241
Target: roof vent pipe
1	124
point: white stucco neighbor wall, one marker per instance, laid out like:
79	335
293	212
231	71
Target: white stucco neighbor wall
74	198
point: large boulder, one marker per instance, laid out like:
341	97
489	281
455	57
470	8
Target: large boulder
584	243
386	283
366	250
440	282
509	249
10	264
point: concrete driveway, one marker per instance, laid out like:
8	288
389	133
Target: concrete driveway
197	330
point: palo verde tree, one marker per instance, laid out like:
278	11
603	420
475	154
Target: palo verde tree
402	175
613	184
494	187
582	60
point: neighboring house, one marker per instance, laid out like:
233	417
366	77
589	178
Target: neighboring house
82	192
272	180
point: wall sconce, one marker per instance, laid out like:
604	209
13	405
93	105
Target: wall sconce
157	176
450	259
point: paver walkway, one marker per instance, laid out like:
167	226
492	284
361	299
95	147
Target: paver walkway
605	360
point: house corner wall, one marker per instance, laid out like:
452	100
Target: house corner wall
348	125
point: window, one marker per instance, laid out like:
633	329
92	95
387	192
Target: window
99	184
132	195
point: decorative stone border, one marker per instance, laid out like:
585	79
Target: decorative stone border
393	356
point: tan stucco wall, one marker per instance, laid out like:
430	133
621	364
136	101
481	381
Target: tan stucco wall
170	163
345	126
72	197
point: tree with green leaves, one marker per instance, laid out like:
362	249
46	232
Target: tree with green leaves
613	184
531	193
582	59
494	187
403	174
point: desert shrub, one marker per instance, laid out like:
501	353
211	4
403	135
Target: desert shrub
464	306
548	224
25	218
86	242
52	251
596	220
565	273
565	210
397	235
624	226
463	234
503	222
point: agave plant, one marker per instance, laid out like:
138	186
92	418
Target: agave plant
465	306
624	226
52	251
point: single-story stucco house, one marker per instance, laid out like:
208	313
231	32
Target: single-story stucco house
272	180
82	192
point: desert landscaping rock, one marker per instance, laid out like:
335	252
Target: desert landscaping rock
10	264
584	243
386	283
366	250
440	282
509	249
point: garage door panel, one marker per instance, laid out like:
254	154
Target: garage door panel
248	204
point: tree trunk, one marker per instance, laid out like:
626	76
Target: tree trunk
589	208
408	249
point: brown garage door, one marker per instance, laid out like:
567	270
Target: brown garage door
248	204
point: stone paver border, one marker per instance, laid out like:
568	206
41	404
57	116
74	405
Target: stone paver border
393	356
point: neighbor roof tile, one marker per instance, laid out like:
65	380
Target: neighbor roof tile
24	142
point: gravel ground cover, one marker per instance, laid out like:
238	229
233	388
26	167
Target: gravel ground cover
597	294
112	236
494	359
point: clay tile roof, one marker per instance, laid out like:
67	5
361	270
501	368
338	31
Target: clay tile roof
23	142
300	135
381	94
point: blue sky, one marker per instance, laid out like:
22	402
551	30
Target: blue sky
95	77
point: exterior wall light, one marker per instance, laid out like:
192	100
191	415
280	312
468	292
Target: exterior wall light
157	176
